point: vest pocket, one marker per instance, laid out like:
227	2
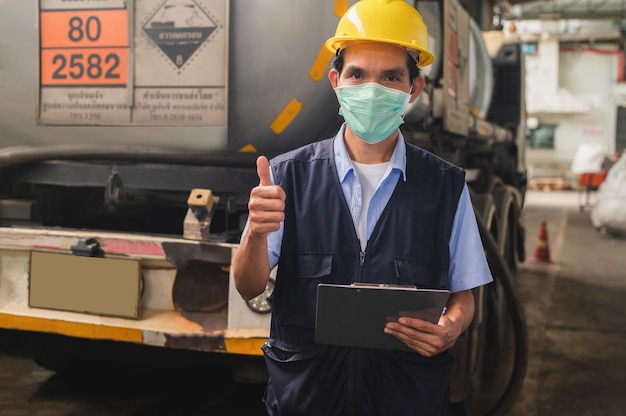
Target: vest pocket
296	287
420	273
314	265
294	381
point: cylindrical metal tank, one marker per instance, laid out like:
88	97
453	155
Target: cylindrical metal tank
480	73
272	48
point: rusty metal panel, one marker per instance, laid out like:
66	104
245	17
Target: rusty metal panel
101	286
456	68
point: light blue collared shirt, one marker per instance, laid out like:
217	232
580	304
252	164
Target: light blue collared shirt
468	266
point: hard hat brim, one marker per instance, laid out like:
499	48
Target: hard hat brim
338	43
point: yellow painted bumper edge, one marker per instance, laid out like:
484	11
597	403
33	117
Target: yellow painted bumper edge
247	346
72	329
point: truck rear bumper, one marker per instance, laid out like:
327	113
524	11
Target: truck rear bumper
168	315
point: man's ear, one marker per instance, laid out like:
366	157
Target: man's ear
418	86
333	77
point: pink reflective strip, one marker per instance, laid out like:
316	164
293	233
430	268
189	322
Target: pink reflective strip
115	246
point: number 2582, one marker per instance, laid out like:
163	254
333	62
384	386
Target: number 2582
93	66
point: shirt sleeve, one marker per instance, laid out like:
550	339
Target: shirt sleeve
468	265
274	242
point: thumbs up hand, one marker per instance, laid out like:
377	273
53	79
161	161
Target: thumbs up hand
266	206
263	170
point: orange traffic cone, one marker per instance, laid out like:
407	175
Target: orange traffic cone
542	252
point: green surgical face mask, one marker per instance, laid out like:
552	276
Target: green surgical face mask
372	111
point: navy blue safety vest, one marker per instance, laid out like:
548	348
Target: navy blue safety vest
409	245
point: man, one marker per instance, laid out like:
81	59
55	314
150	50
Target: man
363	206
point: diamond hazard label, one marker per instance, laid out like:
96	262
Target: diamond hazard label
179	27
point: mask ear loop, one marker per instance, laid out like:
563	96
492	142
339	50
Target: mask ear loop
407	107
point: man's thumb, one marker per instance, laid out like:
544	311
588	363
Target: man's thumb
263	170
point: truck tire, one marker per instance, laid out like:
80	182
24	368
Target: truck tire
470	349
507	202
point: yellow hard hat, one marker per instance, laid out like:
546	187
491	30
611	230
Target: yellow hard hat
389	21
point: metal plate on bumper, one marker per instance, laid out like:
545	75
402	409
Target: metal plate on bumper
94	285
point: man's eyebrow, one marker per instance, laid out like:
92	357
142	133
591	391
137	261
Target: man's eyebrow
398	71
352	69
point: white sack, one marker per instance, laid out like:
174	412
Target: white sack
588	158
609	210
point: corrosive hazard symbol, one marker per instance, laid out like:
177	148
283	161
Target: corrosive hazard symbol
179	27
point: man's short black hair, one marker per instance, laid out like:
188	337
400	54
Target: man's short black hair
414	71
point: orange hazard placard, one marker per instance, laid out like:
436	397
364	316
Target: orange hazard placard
84	66
93	28
84	48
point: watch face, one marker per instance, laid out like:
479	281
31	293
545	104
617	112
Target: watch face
260	303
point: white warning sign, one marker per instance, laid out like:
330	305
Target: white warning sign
181	62
141	62
179	28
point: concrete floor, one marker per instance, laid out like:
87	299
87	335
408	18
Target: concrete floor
576	313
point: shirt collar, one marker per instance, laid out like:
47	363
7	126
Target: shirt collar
344	164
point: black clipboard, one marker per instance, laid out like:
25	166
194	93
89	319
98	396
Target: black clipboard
355	315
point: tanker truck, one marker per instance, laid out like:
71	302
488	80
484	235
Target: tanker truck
129	132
